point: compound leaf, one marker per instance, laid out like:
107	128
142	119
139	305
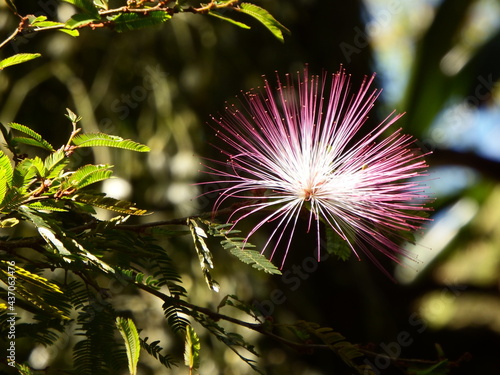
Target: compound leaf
40	142
106	140
127	329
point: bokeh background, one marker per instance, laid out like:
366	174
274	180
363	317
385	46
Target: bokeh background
438	61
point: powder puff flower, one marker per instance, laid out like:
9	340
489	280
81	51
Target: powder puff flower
297	148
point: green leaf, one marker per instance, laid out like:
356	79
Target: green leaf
103	4
6	174
87	6
336	245
79	20
24	369
31	278
101	201
204	254
56	159
192	350
47	24
133	21
227	19
73	33
56	244
44	206
106	140
127	329
34	135
264	17
241	249
24	174
154	350
87	175
9	223
72	116
18	59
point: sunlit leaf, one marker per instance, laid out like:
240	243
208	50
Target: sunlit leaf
73	33
264	17
204	254
106	140
240	248
9	223
31	278
227	19
18	59
192	348
6	174
101	201
56	159
87	175
128	331
79	20
40	142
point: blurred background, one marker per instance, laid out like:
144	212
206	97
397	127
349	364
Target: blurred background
438	61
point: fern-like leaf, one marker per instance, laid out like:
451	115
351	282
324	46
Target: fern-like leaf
192	348
127	329
3	185
7	173
106	140
336	245
40	142
154	350
101	201
24	175
240	248
31	278
87	175
204	254
176	318
347	352
55	163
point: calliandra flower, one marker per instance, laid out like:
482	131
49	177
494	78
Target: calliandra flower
296	147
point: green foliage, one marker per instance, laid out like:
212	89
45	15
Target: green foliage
264	17
134	21
127	329
239	247
99	352
336	342
154	350
34	139
106	140
204	254
336	245
17	59
192	350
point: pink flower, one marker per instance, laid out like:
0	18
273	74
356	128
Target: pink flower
293	148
